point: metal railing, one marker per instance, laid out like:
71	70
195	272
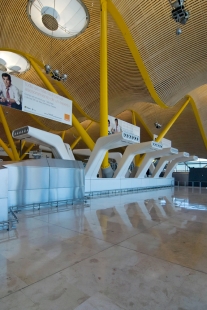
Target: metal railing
191	183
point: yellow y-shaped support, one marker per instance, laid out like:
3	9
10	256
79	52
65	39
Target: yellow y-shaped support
198	119
172	121
6	149
104	78
8	134
79	138
167	127
63	135
27	151
135	52
86	138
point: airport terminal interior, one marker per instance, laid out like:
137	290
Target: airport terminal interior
103	155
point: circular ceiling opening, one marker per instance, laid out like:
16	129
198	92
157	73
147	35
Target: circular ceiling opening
62	19
13	63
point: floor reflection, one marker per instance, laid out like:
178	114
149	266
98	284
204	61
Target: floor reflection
136	251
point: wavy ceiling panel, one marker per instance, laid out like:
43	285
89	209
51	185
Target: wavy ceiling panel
78	57
176	64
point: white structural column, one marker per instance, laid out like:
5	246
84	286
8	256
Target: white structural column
103	144
86	152
48	139
152	168
171	166
149	158
163	161
130	152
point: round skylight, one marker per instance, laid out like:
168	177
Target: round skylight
59	19
13	63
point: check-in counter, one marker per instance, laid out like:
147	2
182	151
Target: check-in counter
3	195
44	180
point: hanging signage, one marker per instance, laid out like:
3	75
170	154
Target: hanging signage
129	131
21	95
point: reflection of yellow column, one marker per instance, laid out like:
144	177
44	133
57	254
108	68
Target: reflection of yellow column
8	134
86	138
104	78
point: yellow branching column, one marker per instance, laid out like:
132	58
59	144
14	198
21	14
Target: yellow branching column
15	155
172	121
86	138
79	138
104	84
168	126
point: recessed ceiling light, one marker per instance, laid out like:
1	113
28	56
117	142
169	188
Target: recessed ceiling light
59	19
13	63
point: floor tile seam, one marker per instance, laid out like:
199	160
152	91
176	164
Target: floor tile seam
141	232
194	232
189	220
27	285
162	259
81	233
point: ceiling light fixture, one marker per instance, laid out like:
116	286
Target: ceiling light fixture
55	74
13	63
67	19
179	13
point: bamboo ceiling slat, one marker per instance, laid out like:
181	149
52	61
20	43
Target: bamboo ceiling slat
200	98
78	57
176	64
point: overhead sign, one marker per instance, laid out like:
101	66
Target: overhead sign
129	131
165	142
21	95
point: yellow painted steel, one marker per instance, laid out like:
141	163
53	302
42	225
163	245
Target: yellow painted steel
8	134
135	52
6	149
66	93
39	122
27	151
198	119
104	78
79	138
29	57
137	116
63	135
172	121
167	127
22	146
84	135
86	138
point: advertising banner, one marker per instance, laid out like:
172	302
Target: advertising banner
116	125
21	95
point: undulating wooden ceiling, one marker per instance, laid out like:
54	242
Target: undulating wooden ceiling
176	65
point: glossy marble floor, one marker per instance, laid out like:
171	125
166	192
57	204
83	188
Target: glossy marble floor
138	251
